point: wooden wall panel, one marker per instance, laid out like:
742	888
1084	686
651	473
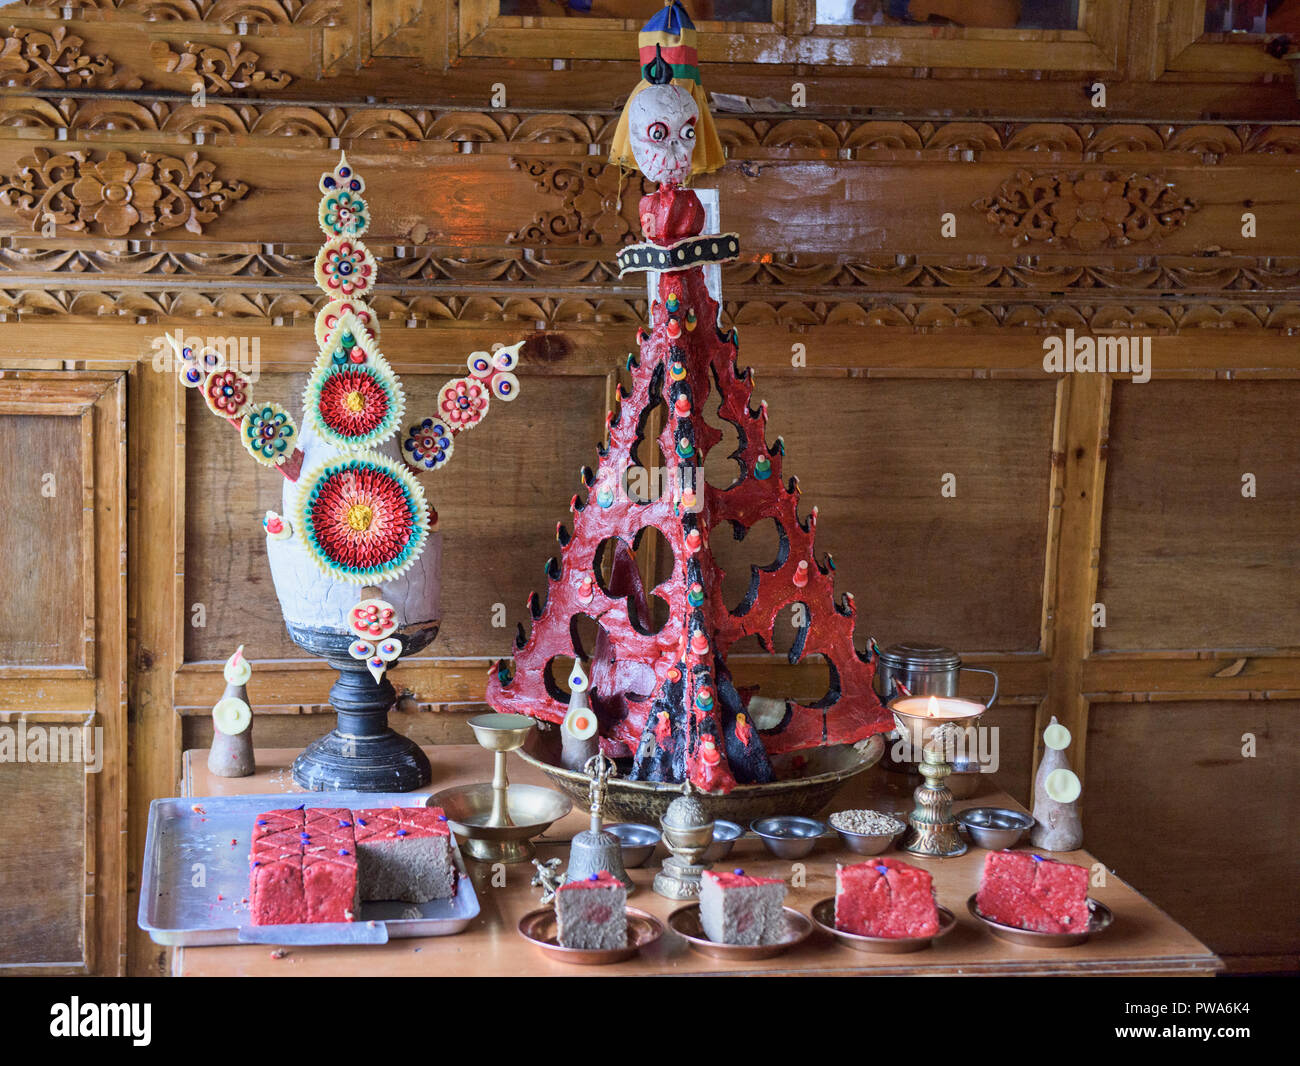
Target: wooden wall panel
870	454
425	725
1187	560
43	887
227	579
42	529
1168	782
1014	722
498	503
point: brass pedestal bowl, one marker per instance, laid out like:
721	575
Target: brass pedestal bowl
499	820
825	772
530	812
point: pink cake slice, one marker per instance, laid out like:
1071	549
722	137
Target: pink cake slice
277	822
330	886
1030	892
885	898
592	913
276	891
736	908
285	844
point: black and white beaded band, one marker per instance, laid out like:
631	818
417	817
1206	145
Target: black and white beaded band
693	251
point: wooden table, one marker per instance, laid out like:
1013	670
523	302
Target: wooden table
1143	939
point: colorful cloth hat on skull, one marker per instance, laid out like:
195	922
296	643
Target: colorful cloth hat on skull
670	35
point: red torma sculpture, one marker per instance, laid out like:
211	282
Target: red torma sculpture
666	698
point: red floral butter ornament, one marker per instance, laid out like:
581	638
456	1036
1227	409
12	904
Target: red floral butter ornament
227	393
373	619
345	267
463	402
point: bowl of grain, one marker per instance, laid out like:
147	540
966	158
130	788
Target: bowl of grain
866	832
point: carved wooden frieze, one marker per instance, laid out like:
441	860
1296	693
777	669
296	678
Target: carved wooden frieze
37	59
744	135
1087	211
113	194
599	206
884	274
220	70
446	304
268	12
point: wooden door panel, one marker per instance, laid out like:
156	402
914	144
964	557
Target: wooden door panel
63	672
47	620
43	874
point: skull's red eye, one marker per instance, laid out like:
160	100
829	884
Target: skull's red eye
658	131
688	131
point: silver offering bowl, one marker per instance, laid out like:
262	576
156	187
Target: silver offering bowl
787	836
995	828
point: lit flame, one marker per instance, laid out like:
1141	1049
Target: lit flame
932	708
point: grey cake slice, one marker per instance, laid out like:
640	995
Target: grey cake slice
592	914
737	909
404	853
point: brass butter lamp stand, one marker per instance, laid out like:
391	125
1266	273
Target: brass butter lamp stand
932	724
499	820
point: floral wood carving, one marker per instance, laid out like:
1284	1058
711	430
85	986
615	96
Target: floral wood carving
278	304
599	208
115	194
34	59
220	70
1088	212
266	12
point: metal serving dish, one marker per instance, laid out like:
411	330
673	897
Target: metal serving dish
638	842
1100	920
995	828
541	928
788	836
868	843
823	913
685	922
214	833
825	772
725	835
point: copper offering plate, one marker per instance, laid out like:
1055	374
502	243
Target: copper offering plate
1101	920
540	927
685	922
823	914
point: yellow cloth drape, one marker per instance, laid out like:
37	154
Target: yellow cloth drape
708	155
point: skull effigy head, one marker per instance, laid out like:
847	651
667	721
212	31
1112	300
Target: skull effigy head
661	127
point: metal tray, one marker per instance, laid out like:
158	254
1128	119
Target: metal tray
190	860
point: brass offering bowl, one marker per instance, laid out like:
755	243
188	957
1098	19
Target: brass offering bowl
827	770
472	812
